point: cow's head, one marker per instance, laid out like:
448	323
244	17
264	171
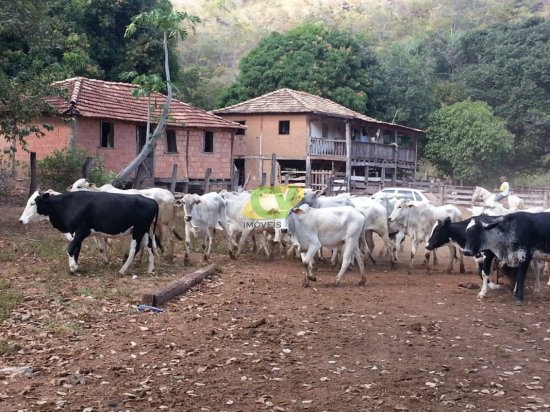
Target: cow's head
400	210
33	209
297	212
189	201
440	234
80	184
475	232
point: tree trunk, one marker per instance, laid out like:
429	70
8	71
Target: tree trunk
159	130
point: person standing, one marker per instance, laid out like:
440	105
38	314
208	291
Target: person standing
503	190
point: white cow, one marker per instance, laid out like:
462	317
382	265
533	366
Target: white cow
315	199
418	219
377	222
166	225
241	227
332	227
202	215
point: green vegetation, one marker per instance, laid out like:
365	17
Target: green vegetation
63	167
9	299
396	61
466	141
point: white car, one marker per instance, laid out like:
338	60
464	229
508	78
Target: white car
403	193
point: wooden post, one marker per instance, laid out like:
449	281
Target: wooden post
383	176
273	169
442	195
264	178
176	288
348	156
247	180
185	187
287	178
174	178
87	167
207	180
33	184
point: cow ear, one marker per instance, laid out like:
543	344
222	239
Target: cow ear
319	192
447	221
493	223
45	195
196	198
298	211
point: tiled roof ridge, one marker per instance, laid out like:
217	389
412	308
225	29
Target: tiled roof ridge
76	90
250	100
297	96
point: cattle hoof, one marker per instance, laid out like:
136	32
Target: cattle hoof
305	284
186	260
232	255
205	258
519	302
362	283
312	278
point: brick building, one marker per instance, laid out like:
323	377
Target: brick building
316	139
105	119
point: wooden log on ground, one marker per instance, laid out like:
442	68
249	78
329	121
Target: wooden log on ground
177	288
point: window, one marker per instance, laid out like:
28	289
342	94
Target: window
171	144
325	131
208	146
241	131
284	126
107	135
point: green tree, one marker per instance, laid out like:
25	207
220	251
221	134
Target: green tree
508	67
467	141
169	24
311	58
402	89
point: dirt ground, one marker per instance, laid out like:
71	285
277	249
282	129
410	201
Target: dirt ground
252	339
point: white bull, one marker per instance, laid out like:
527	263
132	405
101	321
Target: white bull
202	215
332	227
418	219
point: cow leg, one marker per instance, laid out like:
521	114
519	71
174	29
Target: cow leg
151	246
520	280
134	248
452	255
461	261
102	246
226	230
209	238
74	248
536	268
545	272
188	235
413	253
242	241
349	251
308	259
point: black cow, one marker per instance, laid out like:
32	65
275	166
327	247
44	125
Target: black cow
446	231
514	239
84	213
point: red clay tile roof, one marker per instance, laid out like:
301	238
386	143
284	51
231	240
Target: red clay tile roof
110	100
294	101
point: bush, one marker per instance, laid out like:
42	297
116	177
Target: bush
63	167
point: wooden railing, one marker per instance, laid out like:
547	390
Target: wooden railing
361	151
327	147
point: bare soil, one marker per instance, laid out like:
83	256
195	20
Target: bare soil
251	338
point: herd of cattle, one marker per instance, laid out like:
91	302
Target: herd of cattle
343	224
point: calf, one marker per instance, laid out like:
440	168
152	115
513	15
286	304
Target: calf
106	214
514	238
334	226
202	215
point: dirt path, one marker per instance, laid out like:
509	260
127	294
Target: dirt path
252	339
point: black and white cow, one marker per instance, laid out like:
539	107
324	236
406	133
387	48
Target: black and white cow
514	239
108	214
445	231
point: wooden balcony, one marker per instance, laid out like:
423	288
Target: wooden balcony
363	154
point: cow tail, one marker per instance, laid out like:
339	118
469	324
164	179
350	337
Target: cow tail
156	241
